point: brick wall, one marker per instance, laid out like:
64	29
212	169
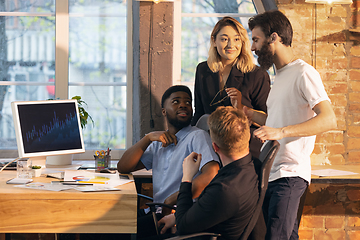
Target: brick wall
325	36
328	38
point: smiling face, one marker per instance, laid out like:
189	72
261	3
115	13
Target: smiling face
178	110
228	44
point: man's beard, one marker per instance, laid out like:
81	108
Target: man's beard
179	124
265	56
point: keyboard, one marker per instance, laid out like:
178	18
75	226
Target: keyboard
11	166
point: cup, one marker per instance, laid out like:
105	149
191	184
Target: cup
102	162
23	168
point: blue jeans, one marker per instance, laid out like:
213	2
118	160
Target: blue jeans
280	208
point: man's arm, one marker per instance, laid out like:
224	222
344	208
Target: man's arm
324	120
130	160
208	172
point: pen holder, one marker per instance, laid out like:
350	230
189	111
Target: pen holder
102	162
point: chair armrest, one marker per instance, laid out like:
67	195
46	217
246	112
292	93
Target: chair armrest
153	206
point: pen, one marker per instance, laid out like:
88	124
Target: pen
71	183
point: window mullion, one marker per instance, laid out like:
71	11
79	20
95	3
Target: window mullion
61	49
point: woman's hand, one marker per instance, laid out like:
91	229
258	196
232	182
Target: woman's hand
235	97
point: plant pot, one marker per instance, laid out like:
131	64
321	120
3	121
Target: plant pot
36	172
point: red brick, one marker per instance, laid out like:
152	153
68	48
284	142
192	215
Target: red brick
353	222
355	85
338	76
354	157
355	75
333	88
338	100
338	148
353	195
306	234
354	97
324	49
330	208
338	11
355	51
353	131
354	107
355	119
355	20
334	222
338	63
355	62
313	221
337	159
354	235
330	234
318	148
353	143
330	137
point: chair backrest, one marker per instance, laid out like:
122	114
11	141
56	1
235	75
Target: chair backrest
267	156
202	122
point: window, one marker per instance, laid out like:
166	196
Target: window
65	48
193	23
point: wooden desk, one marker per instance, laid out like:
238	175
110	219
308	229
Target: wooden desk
345	179
71	211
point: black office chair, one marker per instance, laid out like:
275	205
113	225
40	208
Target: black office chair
202	122
267	156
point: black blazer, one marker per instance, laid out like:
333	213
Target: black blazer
254	87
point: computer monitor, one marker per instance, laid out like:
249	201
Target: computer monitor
48	128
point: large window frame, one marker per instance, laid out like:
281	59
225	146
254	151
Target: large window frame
62	83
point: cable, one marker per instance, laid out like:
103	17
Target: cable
8	164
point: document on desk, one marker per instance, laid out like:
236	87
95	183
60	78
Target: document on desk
45	186
83	176
331	173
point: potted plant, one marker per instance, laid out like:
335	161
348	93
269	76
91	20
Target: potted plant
84	115
36	171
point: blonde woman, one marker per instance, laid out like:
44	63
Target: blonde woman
229	77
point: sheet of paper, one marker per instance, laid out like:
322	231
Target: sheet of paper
331	173
45	186
83	176
96	188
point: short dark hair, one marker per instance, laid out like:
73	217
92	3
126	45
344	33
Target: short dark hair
172	89
273	21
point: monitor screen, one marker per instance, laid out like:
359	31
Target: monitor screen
46	128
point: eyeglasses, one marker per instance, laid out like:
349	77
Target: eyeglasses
212	103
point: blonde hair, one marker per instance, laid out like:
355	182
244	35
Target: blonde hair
245	60
229	129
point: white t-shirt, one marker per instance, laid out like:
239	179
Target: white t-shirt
296	90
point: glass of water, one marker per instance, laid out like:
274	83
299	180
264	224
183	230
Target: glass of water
23	167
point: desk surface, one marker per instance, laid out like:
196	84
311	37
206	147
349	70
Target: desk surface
343	179
70	211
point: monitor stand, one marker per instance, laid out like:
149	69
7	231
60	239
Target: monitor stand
59	160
